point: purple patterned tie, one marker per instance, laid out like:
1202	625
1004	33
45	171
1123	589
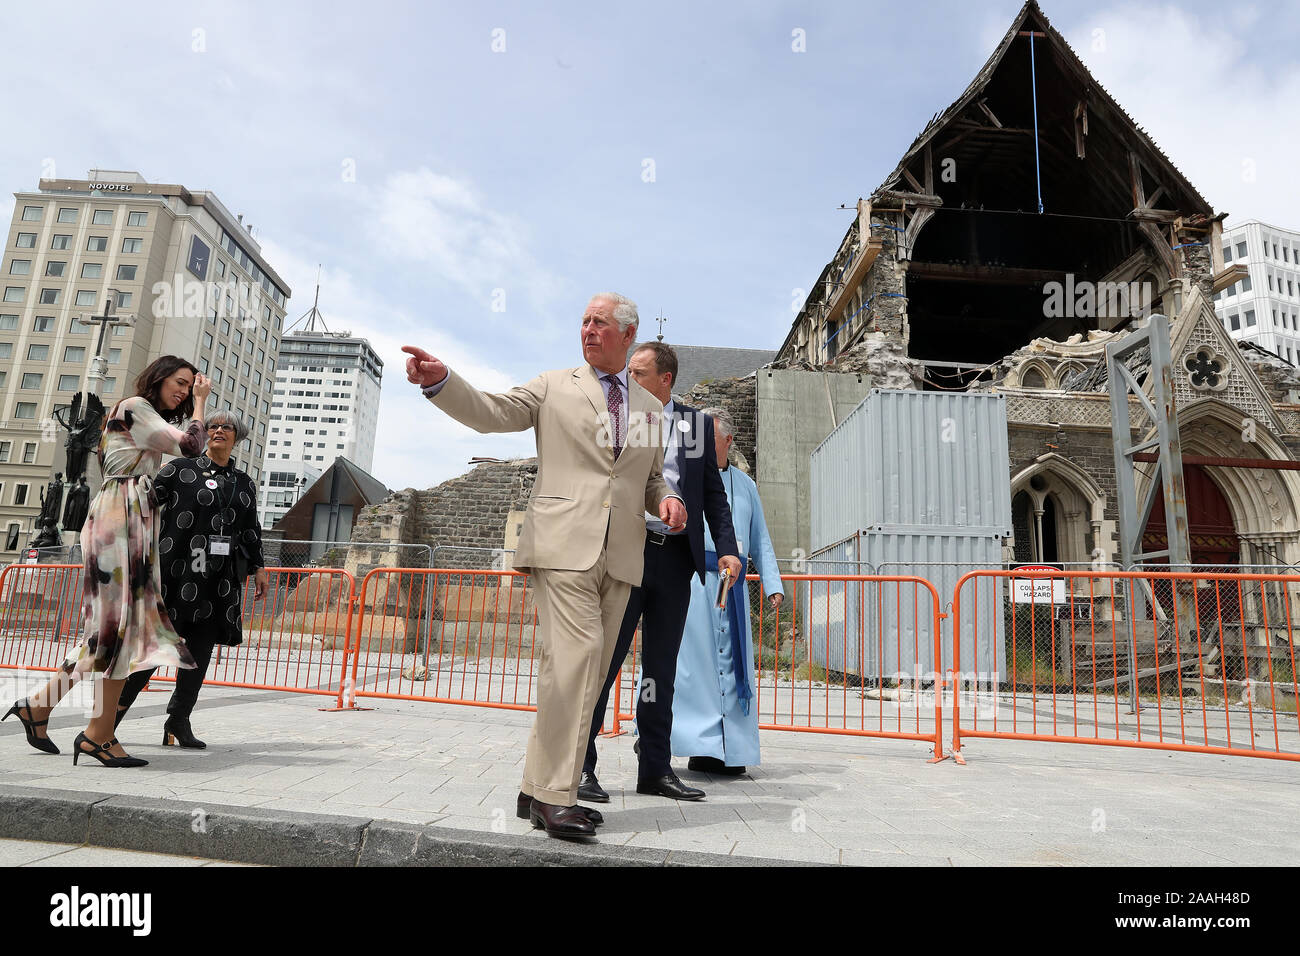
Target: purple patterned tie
614	401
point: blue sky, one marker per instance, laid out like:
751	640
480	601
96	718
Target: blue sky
518	177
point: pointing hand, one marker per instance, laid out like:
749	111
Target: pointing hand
422	368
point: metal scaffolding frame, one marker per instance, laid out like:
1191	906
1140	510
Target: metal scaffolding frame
1167	445
1154	336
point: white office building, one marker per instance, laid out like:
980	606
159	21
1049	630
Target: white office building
325	406
1263	307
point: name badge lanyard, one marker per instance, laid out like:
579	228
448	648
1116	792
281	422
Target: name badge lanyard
222	539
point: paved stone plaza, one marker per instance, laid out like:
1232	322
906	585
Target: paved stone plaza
443	776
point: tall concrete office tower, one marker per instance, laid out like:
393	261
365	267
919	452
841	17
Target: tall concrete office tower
177	260
325	406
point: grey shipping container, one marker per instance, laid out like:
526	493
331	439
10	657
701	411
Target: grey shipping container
876	630
908	461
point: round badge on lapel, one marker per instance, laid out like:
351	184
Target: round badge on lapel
211	484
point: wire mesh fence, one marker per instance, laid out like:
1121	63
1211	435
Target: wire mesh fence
281	552
1182	659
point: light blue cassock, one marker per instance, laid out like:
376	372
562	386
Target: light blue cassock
708	720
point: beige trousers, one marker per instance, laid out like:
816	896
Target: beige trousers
580	613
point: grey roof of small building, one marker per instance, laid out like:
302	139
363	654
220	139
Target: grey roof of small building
699	363
358	488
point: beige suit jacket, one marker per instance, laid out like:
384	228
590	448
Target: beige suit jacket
581	492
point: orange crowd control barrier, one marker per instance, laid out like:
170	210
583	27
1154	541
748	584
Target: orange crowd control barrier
445	635
295	635
1200	662
1208	658
40	614
842	654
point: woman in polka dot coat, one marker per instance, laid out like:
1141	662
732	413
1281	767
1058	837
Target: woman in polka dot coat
210	539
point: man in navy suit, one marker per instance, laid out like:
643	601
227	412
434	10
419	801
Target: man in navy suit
665	594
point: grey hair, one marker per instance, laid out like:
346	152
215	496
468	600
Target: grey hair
722	421
625	313
224	417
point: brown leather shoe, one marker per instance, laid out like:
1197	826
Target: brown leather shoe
524	801
568	822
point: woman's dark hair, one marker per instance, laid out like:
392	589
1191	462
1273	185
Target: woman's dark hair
149	384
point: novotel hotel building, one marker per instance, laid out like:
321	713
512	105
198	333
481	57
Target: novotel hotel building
191	275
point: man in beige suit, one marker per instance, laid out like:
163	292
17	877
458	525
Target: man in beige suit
584	534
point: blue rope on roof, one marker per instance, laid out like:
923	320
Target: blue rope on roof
1033	79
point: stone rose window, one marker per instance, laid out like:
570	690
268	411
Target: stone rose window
1207	370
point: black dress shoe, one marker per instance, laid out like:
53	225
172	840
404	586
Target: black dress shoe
524	801
589	789
714	766
668	786
43	744
567	822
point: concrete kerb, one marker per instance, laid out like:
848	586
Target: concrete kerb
288	838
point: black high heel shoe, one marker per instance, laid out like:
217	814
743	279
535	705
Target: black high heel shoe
178	729
43	744
100	753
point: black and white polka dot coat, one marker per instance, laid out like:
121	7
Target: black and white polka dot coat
199	499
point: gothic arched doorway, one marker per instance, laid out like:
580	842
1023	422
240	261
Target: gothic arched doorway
1212	541
1211	530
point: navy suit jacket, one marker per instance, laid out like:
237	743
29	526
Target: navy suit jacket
702	488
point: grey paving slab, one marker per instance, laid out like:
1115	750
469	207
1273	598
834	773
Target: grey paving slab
98	856
452	773
27	852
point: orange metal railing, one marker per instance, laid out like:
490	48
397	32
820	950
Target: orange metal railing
445	635
1170	660
40	614
1062	656
295	636
843	654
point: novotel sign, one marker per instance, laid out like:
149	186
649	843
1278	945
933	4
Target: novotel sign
112	187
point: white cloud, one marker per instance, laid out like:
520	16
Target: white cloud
429	218
416	445
1219	110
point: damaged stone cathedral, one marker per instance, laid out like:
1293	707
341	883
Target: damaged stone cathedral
1019	234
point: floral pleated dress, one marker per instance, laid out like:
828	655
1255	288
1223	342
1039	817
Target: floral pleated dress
126	624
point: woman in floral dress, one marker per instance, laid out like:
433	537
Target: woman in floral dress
126	624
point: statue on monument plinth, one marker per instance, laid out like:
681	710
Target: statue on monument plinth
83	432
48	520
78	505
51	499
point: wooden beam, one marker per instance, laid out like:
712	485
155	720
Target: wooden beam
1161	246
868	248
1158	216
919	219
912	181
933	363
912	199
1152	199
984	106
1264	464
994	275
1135	179
1229	276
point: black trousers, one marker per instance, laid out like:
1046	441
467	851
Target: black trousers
663	599
200	640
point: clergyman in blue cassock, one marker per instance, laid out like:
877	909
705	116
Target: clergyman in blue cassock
715	707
